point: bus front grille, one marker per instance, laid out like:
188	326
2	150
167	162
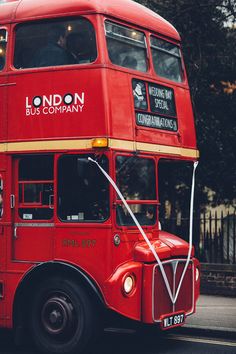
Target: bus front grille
162	304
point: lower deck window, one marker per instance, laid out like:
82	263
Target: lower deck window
83	191
36	188
136	179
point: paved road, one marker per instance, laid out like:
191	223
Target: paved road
214	312
131	343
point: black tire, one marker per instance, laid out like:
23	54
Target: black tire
62	319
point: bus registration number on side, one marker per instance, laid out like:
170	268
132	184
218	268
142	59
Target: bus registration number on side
173	320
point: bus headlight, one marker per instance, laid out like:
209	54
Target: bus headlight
128	284
197	274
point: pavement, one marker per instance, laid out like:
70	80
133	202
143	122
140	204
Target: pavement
215	315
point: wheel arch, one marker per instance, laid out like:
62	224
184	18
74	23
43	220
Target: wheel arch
38	273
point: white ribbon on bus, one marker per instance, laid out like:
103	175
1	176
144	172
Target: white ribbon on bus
172	296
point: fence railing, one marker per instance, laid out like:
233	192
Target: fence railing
214	235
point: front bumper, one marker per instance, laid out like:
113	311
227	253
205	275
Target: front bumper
150	299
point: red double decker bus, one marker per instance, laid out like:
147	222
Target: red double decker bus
94	109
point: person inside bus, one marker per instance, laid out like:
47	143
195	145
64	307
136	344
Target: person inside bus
55	52
80	48
150	219
130	63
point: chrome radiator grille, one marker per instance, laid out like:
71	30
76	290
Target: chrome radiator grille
162	304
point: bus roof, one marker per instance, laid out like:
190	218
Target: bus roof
126	10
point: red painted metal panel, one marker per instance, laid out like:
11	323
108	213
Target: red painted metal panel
7	11
124	9
58	120
127	305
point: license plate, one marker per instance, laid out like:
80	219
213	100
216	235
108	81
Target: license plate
172	320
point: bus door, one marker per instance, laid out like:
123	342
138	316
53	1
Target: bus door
32	202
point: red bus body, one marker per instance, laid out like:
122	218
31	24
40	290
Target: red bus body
103	107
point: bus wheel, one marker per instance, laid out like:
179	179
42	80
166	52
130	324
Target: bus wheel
62	320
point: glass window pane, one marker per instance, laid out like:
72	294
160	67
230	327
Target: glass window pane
35	213
32	192
126	46
32	168
3	44
136	177
53	43
175	179
36	193
146	214
166	59
36	188
158	43
83	191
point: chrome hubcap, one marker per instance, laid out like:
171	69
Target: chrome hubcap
58	315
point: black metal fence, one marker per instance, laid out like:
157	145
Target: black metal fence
214	235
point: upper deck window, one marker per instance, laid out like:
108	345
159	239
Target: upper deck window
166	59
53	43
126	46
3	44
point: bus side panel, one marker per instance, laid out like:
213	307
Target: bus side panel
121	105
185	118
37	108
3	106
87	246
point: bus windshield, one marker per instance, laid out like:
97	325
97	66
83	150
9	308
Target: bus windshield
126	46
174	186
83	191
136	179
166	59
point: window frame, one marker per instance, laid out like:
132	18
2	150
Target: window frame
82	222
175	163
56	20
146	202
35	205
6	47
130	42
177	56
